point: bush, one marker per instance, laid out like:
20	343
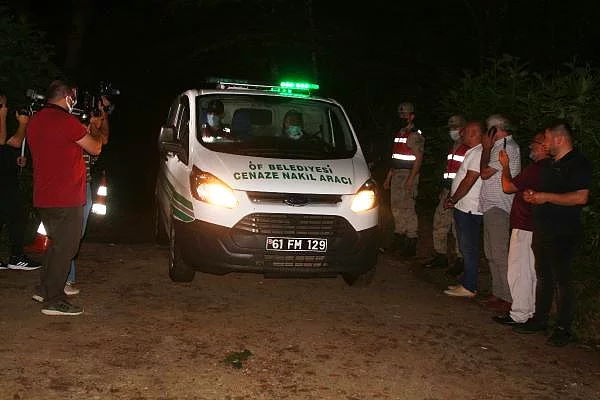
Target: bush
24	58
24	63
532	100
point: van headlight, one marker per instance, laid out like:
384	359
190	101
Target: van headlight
209	189
366	197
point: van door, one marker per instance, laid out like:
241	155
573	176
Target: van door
175	186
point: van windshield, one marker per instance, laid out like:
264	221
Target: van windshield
273	127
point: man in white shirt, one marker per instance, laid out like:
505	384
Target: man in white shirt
467	217
495	206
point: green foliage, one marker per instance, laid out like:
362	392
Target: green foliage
236	359
25	62
531	100
24	58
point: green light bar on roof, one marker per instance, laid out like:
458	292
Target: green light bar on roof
299	85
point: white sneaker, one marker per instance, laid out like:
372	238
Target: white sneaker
70	289
460	291
453	287
38	298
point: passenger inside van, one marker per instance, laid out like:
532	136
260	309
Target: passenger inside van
241	125
293	125
214	128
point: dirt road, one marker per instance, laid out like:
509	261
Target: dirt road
144	337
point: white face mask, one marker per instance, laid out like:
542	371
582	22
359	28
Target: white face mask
454	134
213	120
294	132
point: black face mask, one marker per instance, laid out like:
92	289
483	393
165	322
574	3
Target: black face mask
404	122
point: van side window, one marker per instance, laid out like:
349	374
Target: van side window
340	134
173	113
181	123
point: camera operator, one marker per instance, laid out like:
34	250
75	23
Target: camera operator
11	203
57	140
98	126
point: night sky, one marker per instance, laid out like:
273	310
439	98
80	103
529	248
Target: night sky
367	55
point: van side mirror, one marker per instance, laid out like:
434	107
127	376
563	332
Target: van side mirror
167	141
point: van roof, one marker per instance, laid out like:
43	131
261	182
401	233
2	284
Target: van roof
200	92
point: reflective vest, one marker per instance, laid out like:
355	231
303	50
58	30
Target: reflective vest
455	158
403	156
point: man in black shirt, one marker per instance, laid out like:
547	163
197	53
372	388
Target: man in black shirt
11	203
564	190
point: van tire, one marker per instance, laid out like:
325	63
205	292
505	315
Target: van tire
179	271
158	227
362	280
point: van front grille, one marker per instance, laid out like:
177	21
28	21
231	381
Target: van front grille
294	261
293	198
295	225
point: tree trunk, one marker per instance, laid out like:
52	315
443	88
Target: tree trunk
82	10
313	38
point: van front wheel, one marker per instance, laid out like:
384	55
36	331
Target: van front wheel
179	271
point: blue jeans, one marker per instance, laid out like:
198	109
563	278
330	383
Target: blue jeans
468	230
86	213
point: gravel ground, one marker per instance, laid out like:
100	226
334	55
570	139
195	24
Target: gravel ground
241	336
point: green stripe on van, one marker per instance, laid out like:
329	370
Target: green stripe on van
178	197
178	207
182	216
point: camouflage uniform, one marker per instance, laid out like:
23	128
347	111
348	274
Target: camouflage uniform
443	219
403	201
443	222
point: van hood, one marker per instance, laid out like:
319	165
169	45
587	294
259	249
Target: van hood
260	174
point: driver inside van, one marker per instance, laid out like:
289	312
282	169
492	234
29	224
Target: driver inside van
293	125
214	129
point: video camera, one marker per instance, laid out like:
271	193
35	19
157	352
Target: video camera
37	102
87	101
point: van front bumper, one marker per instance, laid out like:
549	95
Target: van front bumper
216	249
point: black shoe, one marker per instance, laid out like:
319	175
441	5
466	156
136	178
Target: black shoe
531	326
560	337
506	320
410	249
438	261
3	266
22	262
457	268
62	308
399	242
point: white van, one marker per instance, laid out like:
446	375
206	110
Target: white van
276	184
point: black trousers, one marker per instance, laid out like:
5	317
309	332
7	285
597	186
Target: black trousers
12	215
63	226
554	256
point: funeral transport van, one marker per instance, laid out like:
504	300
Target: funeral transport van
267	179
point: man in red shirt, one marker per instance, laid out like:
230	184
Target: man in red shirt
57	139
521	273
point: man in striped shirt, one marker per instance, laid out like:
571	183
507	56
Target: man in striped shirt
496	205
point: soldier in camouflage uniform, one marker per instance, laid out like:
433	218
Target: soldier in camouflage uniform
403	179
443	221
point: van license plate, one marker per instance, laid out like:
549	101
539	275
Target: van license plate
296	244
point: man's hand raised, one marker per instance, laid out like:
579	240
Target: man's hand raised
488	140
503	158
